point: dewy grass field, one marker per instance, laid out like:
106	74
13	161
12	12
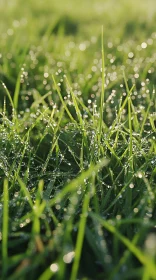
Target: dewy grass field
77	140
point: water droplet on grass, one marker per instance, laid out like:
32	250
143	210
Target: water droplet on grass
139	175
144	45
69	257
131	55
82	47
54	267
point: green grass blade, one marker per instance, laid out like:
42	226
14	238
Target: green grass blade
8	95
80	237
74	184
17	91
25	191
48	273
140	255
102	100
75	104
5	226
62	101
121	109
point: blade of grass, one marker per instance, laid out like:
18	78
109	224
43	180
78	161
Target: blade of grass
17	90
103	86
5	227
8	94
18	81
120	110
63	102
80	237
41	99
68	230
25	191
128	202
135	118
123	259
38	209
75	104
48	273
140	255
74	184
49	155
118	195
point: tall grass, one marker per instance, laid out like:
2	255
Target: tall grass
77	140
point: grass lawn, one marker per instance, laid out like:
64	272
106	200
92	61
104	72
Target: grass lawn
77	140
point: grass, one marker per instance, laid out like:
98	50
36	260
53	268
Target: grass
77	140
